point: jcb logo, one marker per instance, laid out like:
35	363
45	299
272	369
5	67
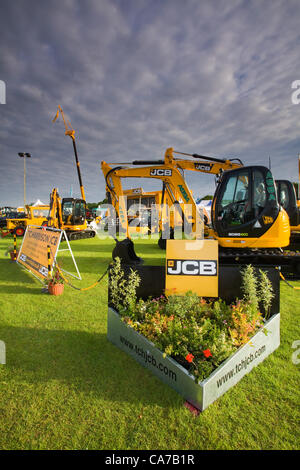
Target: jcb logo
160	172
203	166
189	267
267	220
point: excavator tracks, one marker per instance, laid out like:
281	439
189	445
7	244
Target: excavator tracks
288	261
80	235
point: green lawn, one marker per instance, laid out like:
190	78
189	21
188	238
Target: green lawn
66	387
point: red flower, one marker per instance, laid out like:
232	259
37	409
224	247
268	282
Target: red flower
189	357
207	353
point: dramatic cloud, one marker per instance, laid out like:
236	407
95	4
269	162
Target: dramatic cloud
136	77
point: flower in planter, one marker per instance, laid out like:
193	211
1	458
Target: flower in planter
10	251
55	278
55	283
207	353
189	357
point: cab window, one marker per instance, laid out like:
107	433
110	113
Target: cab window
67	212
283	196
79	213
234	202
259	192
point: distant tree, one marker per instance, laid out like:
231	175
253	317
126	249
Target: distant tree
296	186
208	197
104	201
91	205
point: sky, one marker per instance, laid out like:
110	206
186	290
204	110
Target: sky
135	77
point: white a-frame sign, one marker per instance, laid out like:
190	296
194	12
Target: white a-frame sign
39	251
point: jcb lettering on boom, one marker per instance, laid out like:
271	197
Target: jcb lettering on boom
203	167
160	172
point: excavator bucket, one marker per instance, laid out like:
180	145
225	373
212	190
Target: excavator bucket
124	250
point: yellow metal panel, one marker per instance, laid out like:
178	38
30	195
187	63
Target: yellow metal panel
192	265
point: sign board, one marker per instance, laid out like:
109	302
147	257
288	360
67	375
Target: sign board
192	265
33	254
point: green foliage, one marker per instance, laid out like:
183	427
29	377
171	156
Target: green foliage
182	325
122	290
257	290
185	326
266	293
91	205
250	287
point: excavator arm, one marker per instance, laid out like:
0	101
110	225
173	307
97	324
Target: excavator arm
174	184
55	215
169	171
203	164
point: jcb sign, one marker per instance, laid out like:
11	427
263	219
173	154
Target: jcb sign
192	265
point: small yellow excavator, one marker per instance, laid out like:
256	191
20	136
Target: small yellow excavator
69	214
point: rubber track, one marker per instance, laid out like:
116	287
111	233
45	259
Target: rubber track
289	261
81	235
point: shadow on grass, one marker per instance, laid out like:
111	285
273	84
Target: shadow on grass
100	246
15	289
83	361
14	279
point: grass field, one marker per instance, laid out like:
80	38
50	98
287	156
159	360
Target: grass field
66	387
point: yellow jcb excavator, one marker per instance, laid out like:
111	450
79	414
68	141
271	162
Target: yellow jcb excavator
247	220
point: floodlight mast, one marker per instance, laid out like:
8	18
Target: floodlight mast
24	155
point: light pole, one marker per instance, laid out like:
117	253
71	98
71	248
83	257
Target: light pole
24	155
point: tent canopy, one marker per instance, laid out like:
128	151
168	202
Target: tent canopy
39	203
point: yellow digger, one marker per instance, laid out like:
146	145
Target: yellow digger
246	218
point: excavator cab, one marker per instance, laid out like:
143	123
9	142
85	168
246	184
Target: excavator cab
287	199
245	210
73	212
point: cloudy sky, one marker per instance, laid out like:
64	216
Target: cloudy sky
137	76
